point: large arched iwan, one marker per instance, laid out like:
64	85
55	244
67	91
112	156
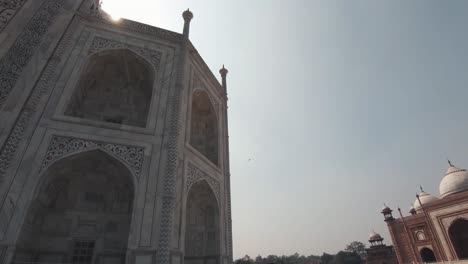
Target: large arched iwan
115	86
458	232
202	225
80	213
204	126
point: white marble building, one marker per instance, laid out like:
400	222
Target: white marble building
113	141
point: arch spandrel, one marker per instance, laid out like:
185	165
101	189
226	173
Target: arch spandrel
60	147
194	175
100	44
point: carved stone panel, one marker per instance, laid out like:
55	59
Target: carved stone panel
61	146
14	62
8	9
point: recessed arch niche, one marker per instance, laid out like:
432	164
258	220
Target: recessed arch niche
80	212
202	225
427	255
115	86
204	126
458	232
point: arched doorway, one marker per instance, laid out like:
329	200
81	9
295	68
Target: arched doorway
204	126
458	232
116	87
80	214
427	255
202	228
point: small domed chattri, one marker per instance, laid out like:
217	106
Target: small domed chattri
425	198
375	237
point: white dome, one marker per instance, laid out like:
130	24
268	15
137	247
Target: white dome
375	236
454	181
425	198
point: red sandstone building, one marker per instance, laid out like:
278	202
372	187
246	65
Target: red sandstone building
437	228
378	252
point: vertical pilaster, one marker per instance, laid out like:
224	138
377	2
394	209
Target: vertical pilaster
174	146
227	171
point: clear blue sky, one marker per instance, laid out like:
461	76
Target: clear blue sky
341	105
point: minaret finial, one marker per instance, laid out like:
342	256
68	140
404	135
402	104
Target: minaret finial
223	71
187	15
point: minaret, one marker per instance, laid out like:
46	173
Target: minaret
227	171
223	73
187	15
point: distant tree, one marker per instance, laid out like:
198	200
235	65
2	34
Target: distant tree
273	259
347	257
259	260
245	260
326	258
357	247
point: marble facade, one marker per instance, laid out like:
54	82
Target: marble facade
113	140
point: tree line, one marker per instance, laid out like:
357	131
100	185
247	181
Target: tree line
354	253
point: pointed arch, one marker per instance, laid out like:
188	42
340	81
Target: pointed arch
204	135
202	225
427	255
115	86
458	232
83	200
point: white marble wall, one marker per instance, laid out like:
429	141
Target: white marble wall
42	58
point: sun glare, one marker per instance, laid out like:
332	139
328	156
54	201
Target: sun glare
113	8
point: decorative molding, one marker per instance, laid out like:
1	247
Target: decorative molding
100	44
174	129
60	146
18	56
138	27
8	9
227	180
194	175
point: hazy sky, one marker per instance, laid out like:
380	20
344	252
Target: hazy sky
341	105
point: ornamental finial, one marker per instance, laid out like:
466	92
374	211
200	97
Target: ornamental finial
223	71
187	14
421	188
450	163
